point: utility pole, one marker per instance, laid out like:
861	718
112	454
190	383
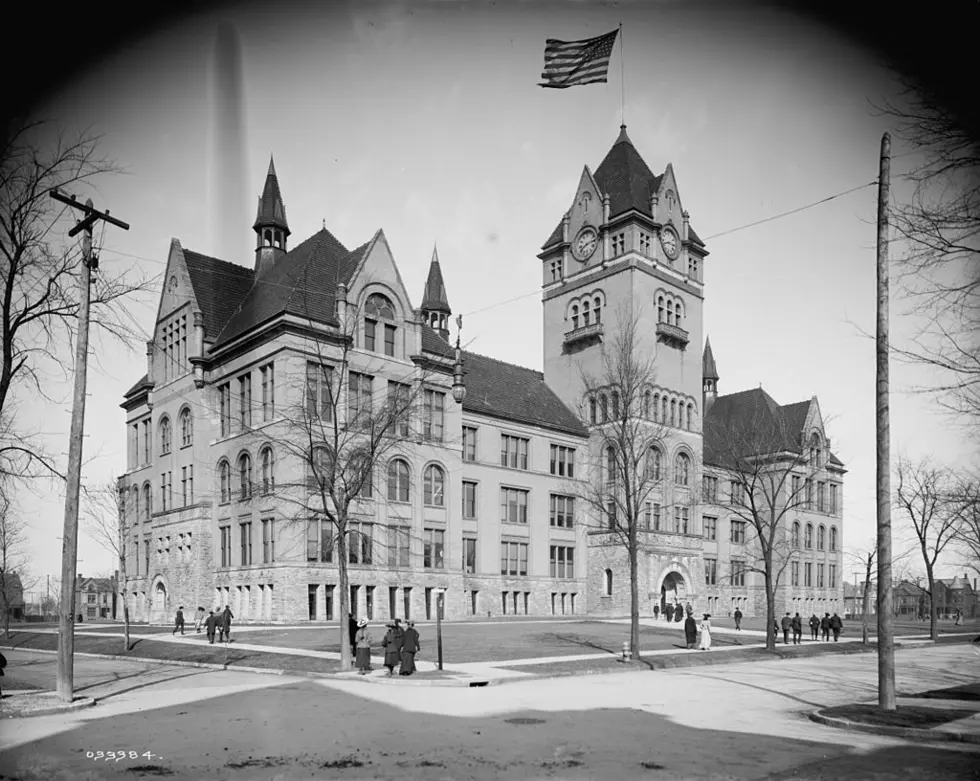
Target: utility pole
69	548
886	637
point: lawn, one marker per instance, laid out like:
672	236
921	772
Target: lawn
915	716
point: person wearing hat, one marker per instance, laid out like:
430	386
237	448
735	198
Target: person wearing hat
179	621
393	646
690	630
706	632
352	634
199	618
363	642
211	626
410	647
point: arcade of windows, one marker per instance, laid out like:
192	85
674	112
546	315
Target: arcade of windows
586	310
823	540
670	309
658	406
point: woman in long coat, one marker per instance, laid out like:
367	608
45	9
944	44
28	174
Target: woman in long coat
410	647
706	632
691	630
363	642
393	647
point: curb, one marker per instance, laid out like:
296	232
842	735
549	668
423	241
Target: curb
909	733
84	702
384	680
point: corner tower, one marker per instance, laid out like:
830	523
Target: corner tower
435	302
271	228
709	375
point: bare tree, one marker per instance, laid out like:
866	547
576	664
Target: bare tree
338	429
926	497
39	277
941	231
14	573
105	522
967	534
771	473
627	470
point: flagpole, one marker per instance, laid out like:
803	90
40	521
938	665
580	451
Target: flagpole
622	63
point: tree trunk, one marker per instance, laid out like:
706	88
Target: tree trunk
346	661
933	624
770	611
634	597
122	591
864	614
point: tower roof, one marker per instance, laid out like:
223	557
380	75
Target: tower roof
435	299
708	369
272	211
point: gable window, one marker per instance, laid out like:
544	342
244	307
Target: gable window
319	391
268	374
513	451
378	310
555	270
398	481
245	476
433	415
692	267
469	443
563	461
165	436
245	400
434	486
186	427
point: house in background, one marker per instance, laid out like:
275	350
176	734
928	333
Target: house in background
962	595
12	595
95	598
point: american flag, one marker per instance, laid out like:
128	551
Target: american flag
570	63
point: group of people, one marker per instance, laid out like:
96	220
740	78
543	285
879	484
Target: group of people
826	625
671	612
400	646
691	628
215	623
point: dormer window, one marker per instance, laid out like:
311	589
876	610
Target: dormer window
377	310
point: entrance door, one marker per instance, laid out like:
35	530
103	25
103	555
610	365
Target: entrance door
160	604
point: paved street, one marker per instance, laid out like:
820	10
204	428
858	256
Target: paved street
724	721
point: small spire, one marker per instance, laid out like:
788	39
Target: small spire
271	211
622	136
435	299
708	369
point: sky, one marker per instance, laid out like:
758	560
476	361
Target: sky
425	119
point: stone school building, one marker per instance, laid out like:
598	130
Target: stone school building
478	498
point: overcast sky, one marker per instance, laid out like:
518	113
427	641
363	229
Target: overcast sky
425	120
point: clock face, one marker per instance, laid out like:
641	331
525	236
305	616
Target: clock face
585	243
668	239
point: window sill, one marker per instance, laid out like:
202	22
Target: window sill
434	506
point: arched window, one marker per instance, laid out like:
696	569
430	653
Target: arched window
434	486
592	418
378	308
796	534
136	504
821	536
646	405
245	475
267	237
608	582
654	464
660	309
164	435
610	466
833	538
186	427
615	405
398	481
585	312
268	471
597	305
673	412
147	501
574	316
815	449
604	407
663	410
656	406
682	469
678	313
808	539
670	313
224	473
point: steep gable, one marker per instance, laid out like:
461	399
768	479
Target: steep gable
219	288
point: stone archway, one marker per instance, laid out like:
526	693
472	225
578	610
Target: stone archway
673	590
158	609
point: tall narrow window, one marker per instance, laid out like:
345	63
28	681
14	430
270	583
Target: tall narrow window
378	309
399	405
224	401
165	435
319	392
268	478
268	373
186	427
245	401
358	399
398	481
245	475
434	411
434	486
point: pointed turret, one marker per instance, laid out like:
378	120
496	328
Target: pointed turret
271	228
709	377
435	302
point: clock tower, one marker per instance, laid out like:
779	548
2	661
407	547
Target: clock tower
625	252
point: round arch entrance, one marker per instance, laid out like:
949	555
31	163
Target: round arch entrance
673	590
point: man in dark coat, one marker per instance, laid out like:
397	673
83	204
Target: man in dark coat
825	627
179	621
410	647
678	613
226	617
814	626
836	625
691	630
669	612
787	624
352	632
797	624
3	663
210	625
738	619
393	646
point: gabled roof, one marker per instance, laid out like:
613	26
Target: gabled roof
303	283
755	416
435	299
625	177
513	393
144	382
219	288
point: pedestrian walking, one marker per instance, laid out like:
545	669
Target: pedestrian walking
836	625
825	627
787	624
678	613
352	634
738	620
706	632
814	626
691	630
669	612
226	617
797	625
210	625
179	621
3	663
199	618
410	647
363	642
393	646
656	612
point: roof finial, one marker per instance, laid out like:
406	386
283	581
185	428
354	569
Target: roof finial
324	223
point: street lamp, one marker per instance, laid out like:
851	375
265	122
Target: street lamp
459	388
